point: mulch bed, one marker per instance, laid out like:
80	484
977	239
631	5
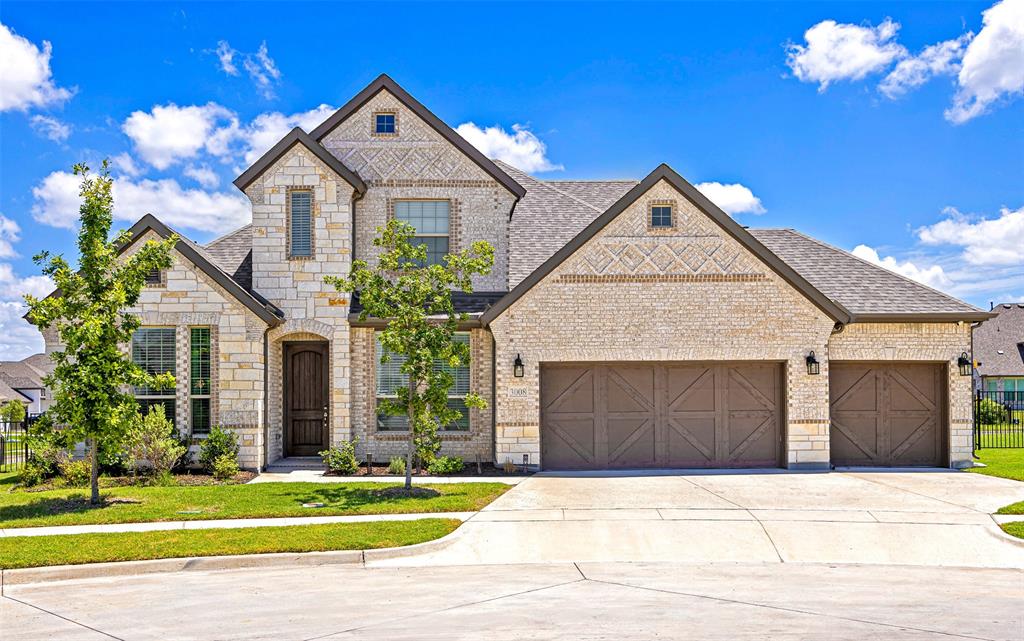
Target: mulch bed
486	469
185	480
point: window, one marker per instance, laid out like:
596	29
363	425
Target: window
153	351
199	375
384	124
390	379
661	216
154	277
300	206
430	218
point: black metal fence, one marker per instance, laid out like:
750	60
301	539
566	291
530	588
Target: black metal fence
14	448
998	419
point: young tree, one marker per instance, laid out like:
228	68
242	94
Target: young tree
416	301
12	411
93	376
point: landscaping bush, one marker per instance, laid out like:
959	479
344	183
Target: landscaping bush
45	459
341	459
76	473
225	467
219	442
446	465
396	466
12	412
151	444
991	412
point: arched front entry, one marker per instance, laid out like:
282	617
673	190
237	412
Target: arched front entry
306	397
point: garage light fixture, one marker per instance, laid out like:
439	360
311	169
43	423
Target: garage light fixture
965	364
813	366
517	367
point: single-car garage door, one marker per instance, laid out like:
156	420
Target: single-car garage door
887	414
614	415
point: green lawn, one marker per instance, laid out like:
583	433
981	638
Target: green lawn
1008	463
137	504
35	551
1015	529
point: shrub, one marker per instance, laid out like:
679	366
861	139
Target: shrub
152	447
991	412
446	465
225	467
341	459
219	442
76	473
396	466
44	461
12	411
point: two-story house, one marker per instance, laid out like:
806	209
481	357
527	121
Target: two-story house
626	324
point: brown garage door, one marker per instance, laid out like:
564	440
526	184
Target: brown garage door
605	416
888	414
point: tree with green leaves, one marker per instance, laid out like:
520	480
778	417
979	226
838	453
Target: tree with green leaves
13	411
93	375
415	299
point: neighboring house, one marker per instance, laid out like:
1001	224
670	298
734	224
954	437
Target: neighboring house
999	352
652	330
26	378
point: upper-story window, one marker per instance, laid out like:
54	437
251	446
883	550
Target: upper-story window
430	218
661	216
385	124
300	211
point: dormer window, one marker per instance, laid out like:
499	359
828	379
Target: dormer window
384	123
661	216
300	224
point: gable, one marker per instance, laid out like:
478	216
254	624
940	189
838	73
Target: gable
704	245
422	148
298	138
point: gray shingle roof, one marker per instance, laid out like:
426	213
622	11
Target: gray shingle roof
861	287
9	394
19	375
999	342
41	363
233	253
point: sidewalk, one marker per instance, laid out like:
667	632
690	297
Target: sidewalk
226	523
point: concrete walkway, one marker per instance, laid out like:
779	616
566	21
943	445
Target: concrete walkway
226	523
940	518
587	601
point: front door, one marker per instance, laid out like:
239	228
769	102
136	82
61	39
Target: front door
305	398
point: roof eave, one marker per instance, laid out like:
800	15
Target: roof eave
294	137
354	320
924	317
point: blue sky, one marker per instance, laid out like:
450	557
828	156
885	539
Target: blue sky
895	129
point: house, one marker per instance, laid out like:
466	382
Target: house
626	324
999	352
25	378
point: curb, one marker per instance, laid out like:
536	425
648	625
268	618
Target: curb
23	576
1002	535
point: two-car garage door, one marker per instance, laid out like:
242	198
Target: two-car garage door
637	415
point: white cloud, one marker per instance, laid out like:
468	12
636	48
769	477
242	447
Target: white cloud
25	76
169	133
226	56
837	51
57	202
985	241
268	128
993	65
933	276
13	287
51	128
126	165
521	148
939	59
733	199
21	338
10	233
263	71
203	175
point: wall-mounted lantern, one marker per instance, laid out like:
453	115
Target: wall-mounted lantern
517	367
965	364
813	366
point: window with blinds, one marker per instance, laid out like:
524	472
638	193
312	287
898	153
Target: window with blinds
390	379
200	383
153	349
300	207
430	218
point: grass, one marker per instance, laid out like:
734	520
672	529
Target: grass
36	551
1015	529
145	504
1004	463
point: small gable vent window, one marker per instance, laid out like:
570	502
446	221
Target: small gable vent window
300	207
154	277
661	216
384	124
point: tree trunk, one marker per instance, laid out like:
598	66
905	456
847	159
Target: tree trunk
94	472
412	436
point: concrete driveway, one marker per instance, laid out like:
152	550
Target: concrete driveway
932	517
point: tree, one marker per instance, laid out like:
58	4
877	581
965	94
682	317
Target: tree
93	376
12	411
416	301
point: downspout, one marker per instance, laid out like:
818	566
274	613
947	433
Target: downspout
494	398
266	398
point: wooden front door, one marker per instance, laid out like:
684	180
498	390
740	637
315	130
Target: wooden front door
305	398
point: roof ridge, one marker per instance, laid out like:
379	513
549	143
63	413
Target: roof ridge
544	184
898	275
631	181
227	235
